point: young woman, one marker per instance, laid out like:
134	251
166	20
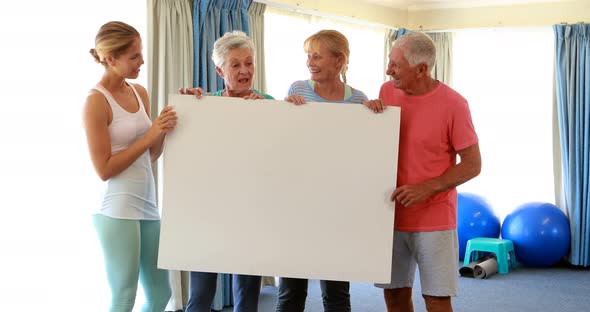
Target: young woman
123	142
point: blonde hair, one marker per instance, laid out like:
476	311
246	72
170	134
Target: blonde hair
113	38
336	43
230	40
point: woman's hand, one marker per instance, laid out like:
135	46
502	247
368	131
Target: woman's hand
295	99
165	123
375	105
198	92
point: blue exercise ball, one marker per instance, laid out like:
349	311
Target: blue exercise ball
475	218
540	233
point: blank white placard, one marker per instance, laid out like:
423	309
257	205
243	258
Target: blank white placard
265	187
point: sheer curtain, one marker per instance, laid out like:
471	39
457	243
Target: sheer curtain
170	60
444	56
256	15
170	49
390	36
285	58
51	256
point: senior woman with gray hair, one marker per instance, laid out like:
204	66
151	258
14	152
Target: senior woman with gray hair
233	55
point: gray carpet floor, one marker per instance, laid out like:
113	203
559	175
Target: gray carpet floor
556	289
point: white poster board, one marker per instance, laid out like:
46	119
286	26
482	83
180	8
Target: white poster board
265	187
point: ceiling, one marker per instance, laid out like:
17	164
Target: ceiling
448	4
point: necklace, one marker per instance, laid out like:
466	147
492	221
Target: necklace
226	92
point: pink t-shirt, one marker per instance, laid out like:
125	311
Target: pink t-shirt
434	126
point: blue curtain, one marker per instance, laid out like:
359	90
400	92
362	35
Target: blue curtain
400	32
212	19
572	66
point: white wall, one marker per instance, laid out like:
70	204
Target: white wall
532	14
348	9
539	14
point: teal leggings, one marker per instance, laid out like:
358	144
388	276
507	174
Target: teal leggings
130	249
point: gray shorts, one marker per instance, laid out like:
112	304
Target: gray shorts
437	256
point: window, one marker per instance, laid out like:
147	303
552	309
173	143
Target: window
49	246
285	60
506	75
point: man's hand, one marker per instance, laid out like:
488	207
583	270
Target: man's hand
411	194
375	105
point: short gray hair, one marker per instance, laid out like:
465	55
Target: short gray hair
230	40
418	48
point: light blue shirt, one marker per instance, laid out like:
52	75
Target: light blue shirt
303	88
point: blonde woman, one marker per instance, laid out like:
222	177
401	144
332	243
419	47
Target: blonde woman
327	61
123	142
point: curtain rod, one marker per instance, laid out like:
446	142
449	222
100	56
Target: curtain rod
297	9
484	28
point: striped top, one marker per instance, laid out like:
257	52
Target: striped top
305	89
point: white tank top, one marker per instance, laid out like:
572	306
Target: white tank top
131	194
